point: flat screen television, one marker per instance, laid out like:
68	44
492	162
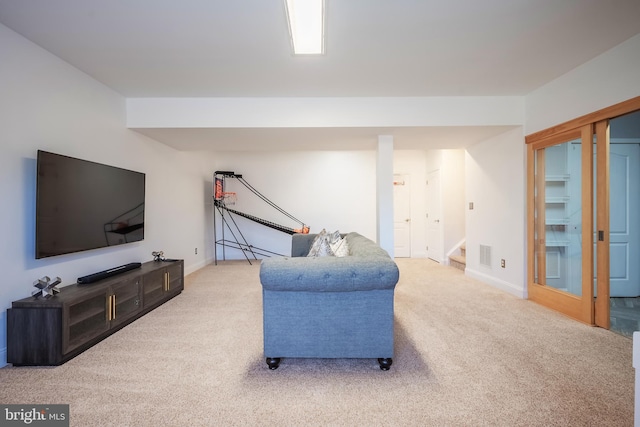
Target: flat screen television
83	205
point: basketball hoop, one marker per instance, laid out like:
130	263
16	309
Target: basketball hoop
304	230
217	189
229	198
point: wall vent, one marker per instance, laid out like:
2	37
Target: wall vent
485	255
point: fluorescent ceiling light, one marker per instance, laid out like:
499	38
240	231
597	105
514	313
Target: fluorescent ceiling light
306	26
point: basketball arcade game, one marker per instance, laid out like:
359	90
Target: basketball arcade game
222	200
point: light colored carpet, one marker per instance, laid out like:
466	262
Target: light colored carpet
466	355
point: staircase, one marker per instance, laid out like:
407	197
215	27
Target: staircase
459	261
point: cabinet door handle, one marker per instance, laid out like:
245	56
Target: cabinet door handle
109	309
114	308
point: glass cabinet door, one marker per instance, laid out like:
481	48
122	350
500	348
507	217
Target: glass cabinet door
154	285
126	300
87	318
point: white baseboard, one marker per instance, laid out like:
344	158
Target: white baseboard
195	267
497	283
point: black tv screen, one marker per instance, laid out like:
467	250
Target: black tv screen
82	205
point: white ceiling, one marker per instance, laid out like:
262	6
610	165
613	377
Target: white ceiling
240	48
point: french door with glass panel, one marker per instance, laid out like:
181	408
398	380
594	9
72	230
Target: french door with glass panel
560	186
579	223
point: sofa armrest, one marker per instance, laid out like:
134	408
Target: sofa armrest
328	274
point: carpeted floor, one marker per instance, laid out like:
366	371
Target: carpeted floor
466	355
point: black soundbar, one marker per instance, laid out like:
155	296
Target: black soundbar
108	273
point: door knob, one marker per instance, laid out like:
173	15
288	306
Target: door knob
407	220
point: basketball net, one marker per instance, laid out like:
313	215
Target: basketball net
229	198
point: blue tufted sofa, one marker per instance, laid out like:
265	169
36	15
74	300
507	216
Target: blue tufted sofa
329	307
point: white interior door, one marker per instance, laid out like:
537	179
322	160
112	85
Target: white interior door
402	215
624	244
435	242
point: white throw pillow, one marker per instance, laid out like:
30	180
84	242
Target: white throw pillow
320	245
324	248
340	248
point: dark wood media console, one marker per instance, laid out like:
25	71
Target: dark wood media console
51	331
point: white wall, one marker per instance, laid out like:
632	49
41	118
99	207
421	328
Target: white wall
384	194
496	168
324	112
453	199
495	183
451	164
47	104
334	190
606	80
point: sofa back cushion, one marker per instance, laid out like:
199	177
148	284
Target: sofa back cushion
358	245
364	247
301	243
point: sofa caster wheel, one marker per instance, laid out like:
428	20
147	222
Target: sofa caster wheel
385	363
273	362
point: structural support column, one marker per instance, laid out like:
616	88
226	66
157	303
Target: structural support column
384	199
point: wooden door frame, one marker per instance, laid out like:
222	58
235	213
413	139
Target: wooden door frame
581	308
602	307
578	307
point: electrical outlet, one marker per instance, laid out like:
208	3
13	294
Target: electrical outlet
502	263
196	251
